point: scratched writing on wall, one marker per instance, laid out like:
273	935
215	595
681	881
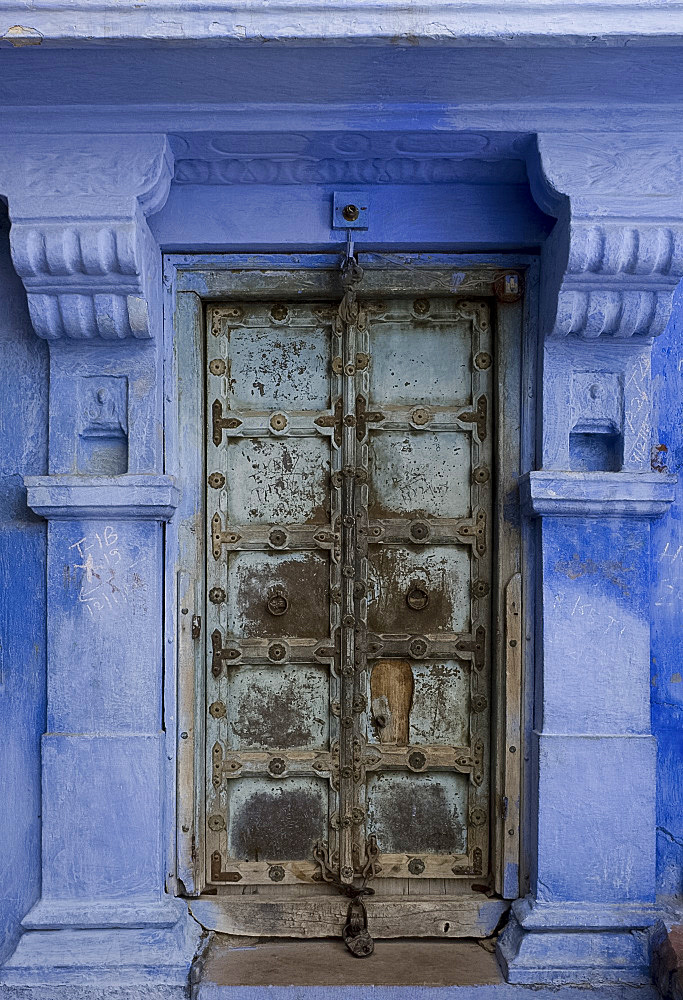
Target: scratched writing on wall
108	573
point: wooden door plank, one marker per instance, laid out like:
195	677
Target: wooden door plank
405	916
512	753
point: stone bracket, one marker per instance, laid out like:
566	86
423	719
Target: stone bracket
151	498
550	493
79	237
616	254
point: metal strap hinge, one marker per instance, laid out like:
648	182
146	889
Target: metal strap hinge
476	645
478	416
221	652
219	537
221	423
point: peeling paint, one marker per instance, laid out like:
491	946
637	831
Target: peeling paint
20	36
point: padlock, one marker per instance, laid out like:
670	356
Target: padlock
355	934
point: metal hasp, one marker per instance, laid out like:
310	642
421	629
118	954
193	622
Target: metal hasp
350	210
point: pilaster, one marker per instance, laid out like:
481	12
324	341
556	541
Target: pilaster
91	269
609	272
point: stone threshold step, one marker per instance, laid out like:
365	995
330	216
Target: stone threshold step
415	969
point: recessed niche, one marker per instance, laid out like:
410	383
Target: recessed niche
103	425
591	451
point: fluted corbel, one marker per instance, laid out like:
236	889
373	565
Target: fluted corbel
617	248
79	236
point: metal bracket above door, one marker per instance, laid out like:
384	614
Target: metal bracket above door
350	210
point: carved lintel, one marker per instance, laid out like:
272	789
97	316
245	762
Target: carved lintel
619	232
80	240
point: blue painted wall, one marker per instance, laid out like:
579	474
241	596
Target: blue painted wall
667	609
23	422
23	428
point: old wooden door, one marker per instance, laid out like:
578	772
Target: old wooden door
348	504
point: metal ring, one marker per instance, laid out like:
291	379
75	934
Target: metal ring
417	597
277	603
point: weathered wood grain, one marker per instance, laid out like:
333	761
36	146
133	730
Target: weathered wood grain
325	917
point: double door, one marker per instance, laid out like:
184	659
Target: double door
348	508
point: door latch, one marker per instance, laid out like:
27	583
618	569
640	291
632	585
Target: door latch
196	626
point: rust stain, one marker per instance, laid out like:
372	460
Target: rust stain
277	824
391	691
305	582
278	715
415	818
398	574
610	569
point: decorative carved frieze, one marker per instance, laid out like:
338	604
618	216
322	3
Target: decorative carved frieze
80	240
620	231
377	170
90	265
619	280
349	158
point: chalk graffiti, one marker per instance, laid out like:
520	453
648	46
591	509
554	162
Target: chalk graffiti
107	573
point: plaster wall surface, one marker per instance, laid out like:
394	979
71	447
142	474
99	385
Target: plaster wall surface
596	691
667	609
228	78
23	551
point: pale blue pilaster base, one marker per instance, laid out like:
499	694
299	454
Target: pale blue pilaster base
577	943
148	955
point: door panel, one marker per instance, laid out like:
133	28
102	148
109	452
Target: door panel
286	707
410	591
280	480
349	567
275	821
419	474
418	814
278	594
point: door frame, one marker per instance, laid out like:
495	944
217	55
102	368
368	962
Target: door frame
191	281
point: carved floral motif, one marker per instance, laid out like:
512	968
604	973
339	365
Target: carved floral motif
376	170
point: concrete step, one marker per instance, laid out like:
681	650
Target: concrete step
415	969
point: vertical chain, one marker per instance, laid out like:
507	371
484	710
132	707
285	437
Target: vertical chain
350	326
347	317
